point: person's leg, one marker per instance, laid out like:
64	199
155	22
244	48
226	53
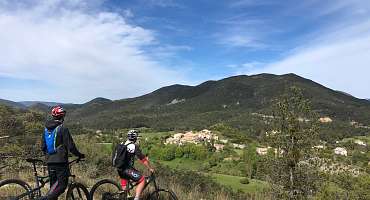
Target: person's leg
139	189
52	175
123	177
53	178
136	176
123	183
61	183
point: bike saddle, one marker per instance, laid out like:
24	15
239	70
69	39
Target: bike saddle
32	160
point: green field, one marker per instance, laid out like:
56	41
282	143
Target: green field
107	147
254	186
365	139
186	164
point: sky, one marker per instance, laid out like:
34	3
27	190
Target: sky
72	51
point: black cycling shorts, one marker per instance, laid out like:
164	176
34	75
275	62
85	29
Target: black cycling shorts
130	174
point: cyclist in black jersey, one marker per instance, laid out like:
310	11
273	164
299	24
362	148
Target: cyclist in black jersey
128	172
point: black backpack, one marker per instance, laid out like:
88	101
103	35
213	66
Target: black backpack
119	156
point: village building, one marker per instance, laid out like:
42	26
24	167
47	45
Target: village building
340	151
360	142
318	147
325	120
192	137
219	147
239	146
262	150
224	141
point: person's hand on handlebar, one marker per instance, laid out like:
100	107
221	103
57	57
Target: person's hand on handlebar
81	156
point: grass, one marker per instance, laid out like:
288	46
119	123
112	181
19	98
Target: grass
366	139
180	163
239	151
254	186
155	134
106	147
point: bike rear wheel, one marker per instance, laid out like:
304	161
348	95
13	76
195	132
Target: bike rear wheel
106	189
77	191
15	189
162	194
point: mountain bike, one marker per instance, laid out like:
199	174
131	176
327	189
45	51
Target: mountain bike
107	189
16	189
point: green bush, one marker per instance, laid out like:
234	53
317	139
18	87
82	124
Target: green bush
244	181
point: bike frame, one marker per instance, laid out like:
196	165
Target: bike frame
41	181
131	186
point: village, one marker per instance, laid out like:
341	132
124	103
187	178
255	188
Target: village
205	135
202	136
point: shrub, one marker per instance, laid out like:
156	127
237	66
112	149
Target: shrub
244	181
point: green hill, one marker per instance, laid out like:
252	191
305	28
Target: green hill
12	104
231	100
242	102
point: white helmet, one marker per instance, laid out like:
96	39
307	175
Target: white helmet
132	135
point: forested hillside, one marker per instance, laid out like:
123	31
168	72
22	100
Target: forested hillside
242	102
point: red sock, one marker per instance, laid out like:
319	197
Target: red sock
123	183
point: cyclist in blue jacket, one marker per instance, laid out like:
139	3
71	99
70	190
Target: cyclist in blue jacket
57	142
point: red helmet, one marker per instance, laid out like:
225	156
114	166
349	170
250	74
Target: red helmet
58	111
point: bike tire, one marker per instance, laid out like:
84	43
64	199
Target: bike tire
22	187
77	191
95	193
163	194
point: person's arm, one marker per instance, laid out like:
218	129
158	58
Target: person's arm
143	159
69	143
145	162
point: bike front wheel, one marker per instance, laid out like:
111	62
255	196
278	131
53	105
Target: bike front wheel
162	194
15	189
77	191
105	190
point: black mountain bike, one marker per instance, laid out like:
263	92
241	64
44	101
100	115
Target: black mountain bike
15	189
107	189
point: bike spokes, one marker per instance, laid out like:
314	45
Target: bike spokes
77	193
14	192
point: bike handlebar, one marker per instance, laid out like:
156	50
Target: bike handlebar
76	161
32	160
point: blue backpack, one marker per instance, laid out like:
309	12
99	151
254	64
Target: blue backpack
50	139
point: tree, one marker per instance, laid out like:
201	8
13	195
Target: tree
179	153
9	124
293	172
250	158
168	152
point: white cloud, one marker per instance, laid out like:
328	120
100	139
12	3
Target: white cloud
246	67
241	40
338	59
239	32
246	3
83	53
164	3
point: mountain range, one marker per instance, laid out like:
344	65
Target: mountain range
231	100
28	104
236	100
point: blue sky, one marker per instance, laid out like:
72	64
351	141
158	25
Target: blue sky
76	50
